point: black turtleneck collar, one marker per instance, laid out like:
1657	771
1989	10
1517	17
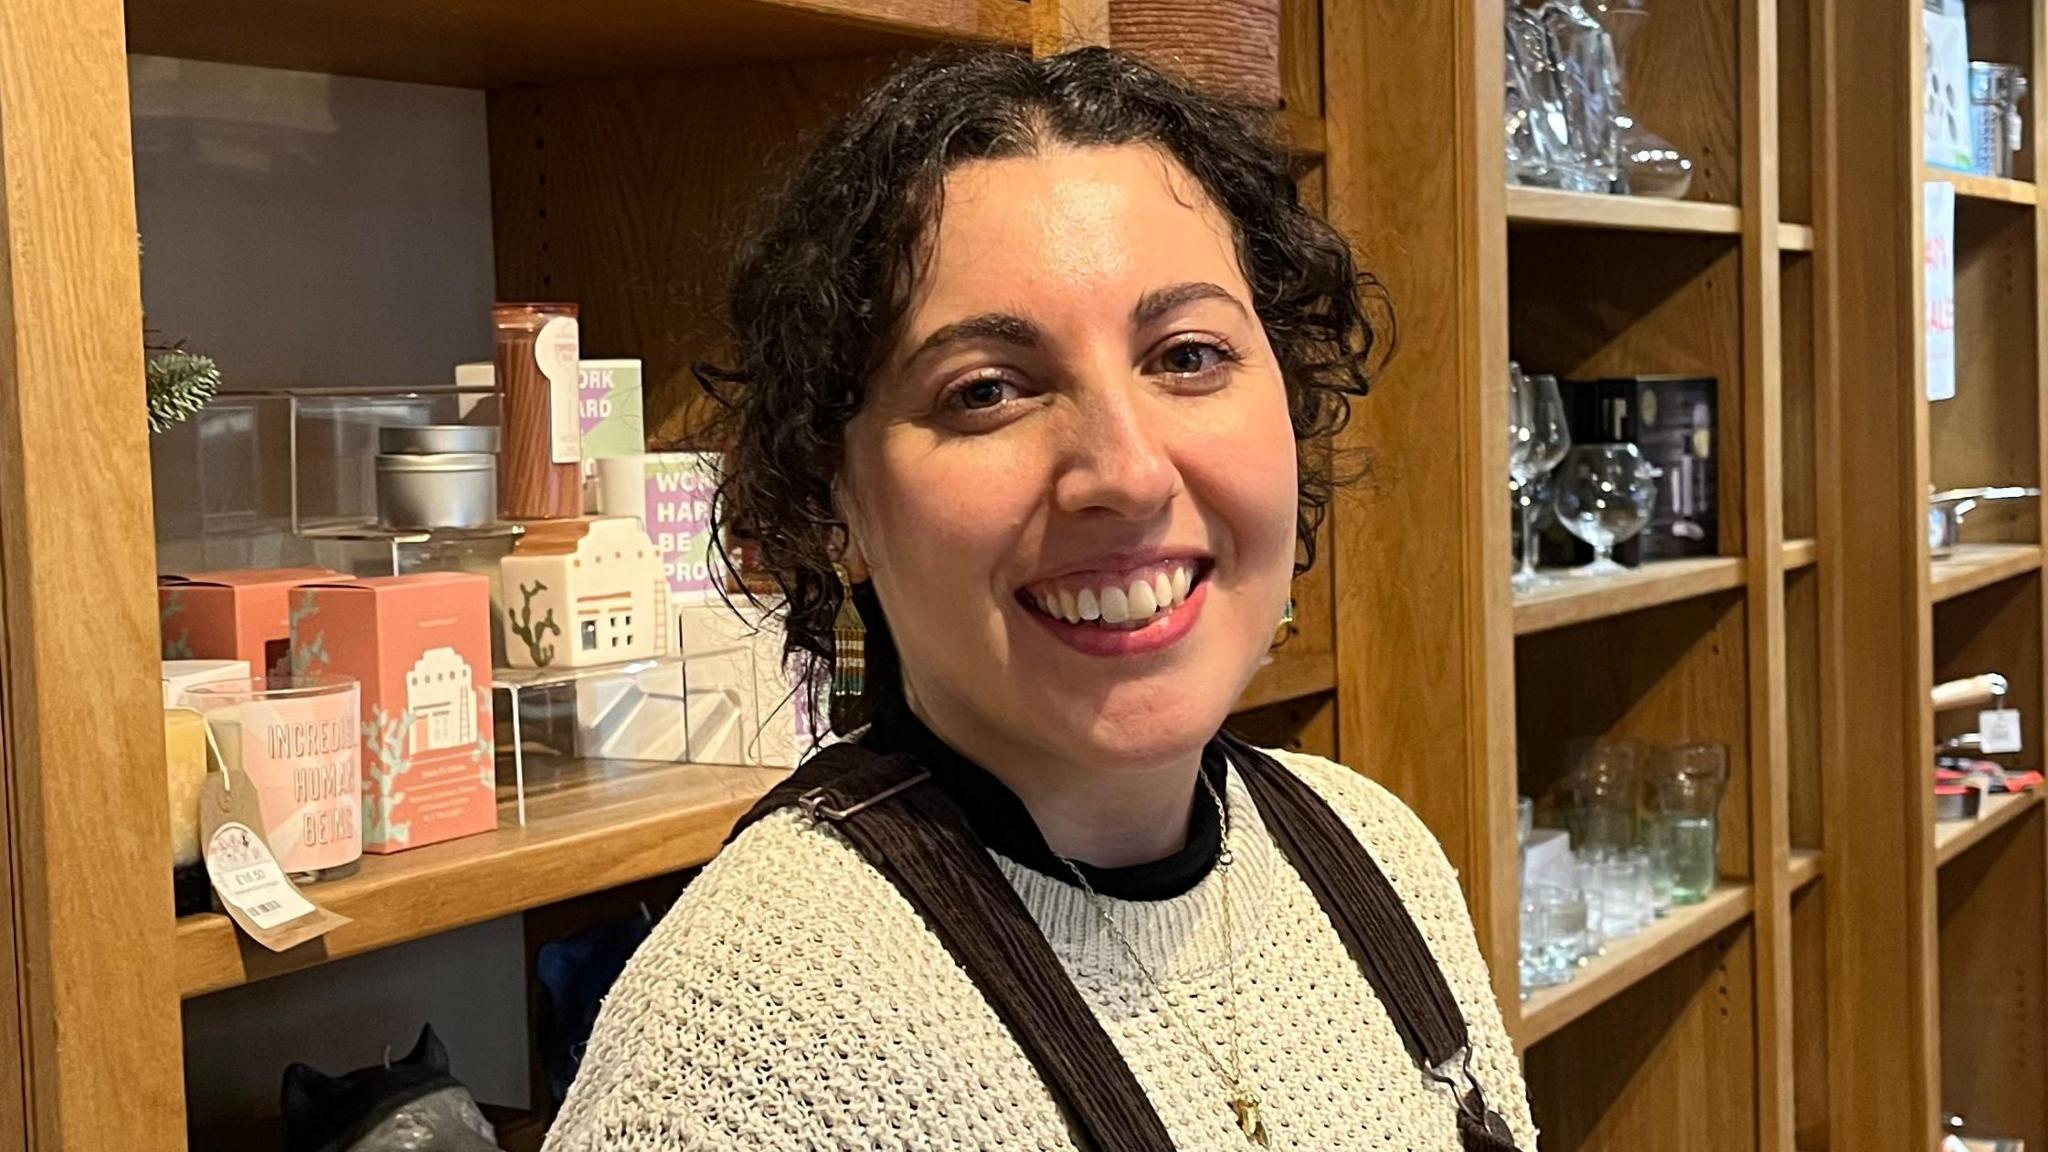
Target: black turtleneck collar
1005	825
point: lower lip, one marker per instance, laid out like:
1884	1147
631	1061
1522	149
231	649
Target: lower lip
1161	633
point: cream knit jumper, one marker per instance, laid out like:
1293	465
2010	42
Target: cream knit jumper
794	1000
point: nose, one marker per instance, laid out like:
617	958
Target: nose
1120	462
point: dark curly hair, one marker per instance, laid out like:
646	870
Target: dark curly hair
821	283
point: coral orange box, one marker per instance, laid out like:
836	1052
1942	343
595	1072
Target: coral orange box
420	646
240	614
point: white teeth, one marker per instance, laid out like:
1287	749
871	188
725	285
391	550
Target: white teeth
1090	608
1143	602
1115	608
1067	610
1180	583
1162	591
1047	604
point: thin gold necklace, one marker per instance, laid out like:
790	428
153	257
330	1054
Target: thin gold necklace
1244	1102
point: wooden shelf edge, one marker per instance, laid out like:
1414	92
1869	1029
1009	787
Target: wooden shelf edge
1975	566
1973	187
1795	237
651	821
1629	962
1577	600
1547	207
1804	868
1802	552
1952	838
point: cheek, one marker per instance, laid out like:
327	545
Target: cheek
1244	472
930	517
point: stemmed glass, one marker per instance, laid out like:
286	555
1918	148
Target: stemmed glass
1521	438
1604	494
1650	165
1549	439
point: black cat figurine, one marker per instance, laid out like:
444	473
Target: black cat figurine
413	1105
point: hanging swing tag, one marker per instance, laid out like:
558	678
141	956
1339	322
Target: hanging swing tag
1999	729
252	886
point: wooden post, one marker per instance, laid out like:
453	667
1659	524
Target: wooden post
86	828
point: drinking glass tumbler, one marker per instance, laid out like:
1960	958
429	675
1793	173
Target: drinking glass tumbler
1605	785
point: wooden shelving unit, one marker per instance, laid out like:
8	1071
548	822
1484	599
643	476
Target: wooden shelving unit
1935	912
1734	282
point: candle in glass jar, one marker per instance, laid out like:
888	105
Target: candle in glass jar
539	477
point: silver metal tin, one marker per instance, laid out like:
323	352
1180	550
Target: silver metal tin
435	439
441	490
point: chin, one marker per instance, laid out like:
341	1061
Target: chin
1144	723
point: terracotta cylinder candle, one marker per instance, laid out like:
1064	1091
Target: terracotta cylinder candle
539	474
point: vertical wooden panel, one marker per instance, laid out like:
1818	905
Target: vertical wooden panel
1058	25
1424	633
1875	631
1994	1010
1763	464
83	750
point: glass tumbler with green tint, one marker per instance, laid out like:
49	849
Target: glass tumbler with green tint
1689	780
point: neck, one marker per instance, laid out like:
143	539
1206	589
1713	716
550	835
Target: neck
1104	816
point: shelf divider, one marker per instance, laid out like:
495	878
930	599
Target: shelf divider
1974	566
623	822
1547	207
1579	599
1952	838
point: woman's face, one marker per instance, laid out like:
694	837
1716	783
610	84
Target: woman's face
1073	480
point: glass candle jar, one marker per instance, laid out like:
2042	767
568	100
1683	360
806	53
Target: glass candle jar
299	741
540	475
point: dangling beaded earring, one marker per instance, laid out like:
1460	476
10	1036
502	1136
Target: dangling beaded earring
1286	630
849	645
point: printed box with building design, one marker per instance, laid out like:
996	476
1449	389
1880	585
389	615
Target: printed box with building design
421	647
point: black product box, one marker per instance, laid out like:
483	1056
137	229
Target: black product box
1673	420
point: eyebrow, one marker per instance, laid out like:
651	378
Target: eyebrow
1008	328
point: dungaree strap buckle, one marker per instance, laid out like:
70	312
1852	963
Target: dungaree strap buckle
813	802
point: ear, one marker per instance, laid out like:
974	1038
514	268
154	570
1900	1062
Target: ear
852	557
307	1092
428	1051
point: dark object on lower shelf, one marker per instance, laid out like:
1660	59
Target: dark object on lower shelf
413	1105
191	892
575	975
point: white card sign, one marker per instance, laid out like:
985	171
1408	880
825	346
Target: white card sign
1939	258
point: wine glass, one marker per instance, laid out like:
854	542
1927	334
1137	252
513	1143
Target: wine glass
1521	437
1549	440
1604	493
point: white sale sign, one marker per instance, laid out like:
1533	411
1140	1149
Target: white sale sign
1940	260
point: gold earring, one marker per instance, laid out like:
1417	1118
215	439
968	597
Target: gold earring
1286	630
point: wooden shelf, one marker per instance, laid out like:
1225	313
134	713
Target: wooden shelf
494	43
1985	187
1628	961
1548	208
1795	237
597	833
1578	599
1804	868
1952	838
1974	566
1801	553
1304	132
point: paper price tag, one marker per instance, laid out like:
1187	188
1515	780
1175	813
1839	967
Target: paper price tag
1999	729
253	887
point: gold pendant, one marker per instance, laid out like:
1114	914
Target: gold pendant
1249	1122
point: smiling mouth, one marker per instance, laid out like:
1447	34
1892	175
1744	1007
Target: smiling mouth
1117	602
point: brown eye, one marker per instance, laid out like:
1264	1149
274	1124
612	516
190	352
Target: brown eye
1193	358
978	394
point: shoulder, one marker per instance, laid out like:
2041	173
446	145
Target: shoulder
1415	864
789	995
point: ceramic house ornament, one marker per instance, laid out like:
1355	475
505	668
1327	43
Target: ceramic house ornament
583	592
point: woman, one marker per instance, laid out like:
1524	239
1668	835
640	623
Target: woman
1038	355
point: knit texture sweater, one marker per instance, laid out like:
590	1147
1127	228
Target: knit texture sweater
793	999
